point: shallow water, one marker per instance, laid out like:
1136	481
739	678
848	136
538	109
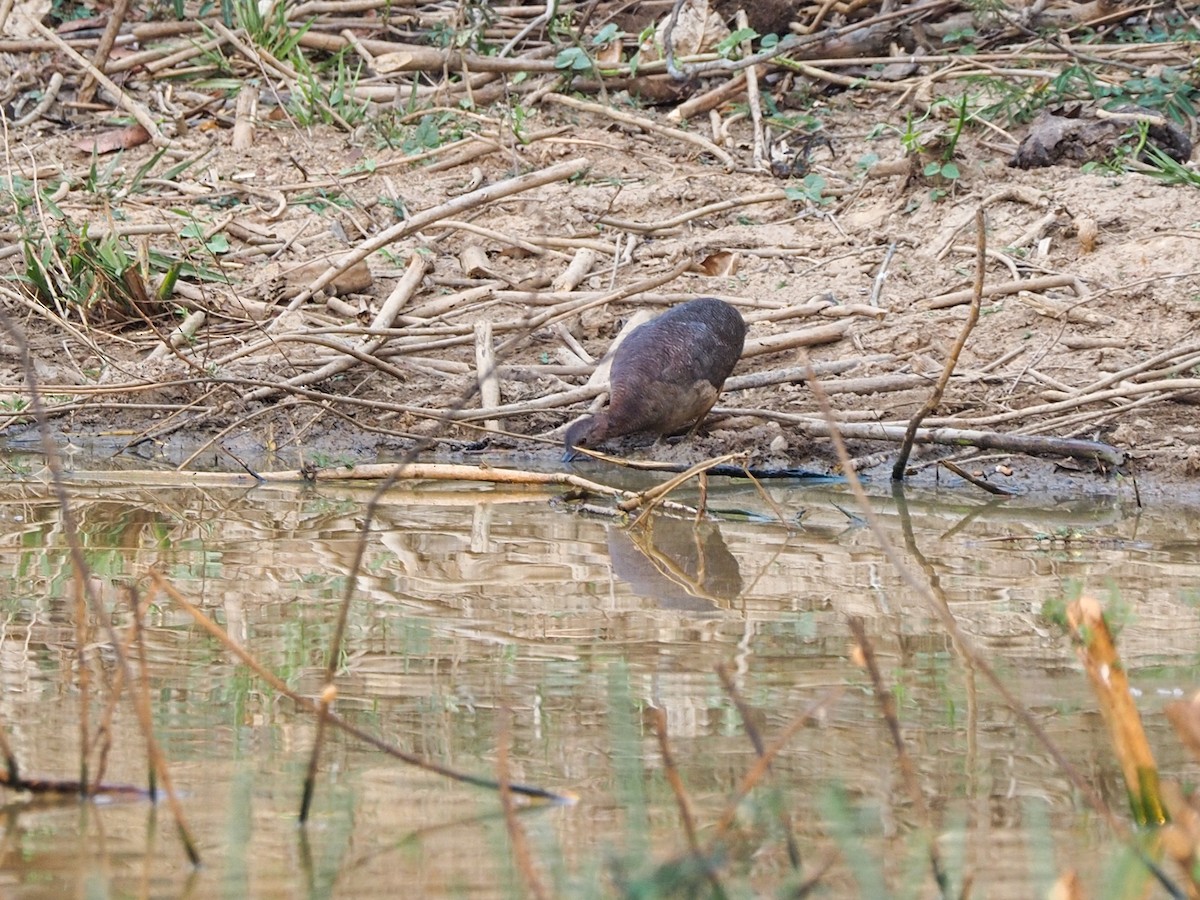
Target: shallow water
476	600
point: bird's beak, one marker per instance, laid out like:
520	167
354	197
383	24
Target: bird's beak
570	455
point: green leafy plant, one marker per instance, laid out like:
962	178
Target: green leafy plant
937	150
1168	170
270	30
809	190
573	60
731	46
73	271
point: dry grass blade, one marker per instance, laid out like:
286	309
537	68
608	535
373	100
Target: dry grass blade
976	660
1098	653
647	125
763	764
131	106
649	499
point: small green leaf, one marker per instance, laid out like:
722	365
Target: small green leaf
742	34
607	35
932	169
573	58
950	170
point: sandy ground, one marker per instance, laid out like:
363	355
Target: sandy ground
1089	359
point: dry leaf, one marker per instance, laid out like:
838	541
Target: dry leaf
387	63
723	262
1088	231
117	139
698	29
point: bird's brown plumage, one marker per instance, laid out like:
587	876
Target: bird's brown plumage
667	373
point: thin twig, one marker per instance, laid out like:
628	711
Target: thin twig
935	396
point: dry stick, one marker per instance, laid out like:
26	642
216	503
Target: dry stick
418	265
516	834
360	549
49	95
450	208
683	801
658	493
1169	387
485	372
126	102
82	573
278	685
116	18
241	422
103	737
887	705
711	99
684	218
935	396
141	691
645	124
980	483
758	154
1031	445
1044	283
747	716
792	374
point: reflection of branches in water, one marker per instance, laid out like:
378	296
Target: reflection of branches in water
681	565
87	595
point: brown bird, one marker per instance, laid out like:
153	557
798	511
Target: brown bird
666	374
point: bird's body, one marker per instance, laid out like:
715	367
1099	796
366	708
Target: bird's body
667	373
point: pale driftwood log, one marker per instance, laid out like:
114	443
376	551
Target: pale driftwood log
450	208
182	333
1171	387
509	410
243	123
795	374
579	269
485	372
529	246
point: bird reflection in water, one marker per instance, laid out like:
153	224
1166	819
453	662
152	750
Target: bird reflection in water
676	562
